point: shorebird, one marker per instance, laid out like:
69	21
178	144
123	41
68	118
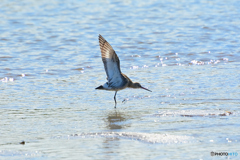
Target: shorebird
116	79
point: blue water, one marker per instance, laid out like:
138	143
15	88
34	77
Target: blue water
186	52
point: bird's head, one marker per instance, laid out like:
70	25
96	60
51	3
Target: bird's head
138	85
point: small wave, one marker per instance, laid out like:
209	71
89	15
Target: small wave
10	153
144	137
194	113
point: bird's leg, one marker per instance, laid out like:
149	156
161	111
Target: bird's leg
115	99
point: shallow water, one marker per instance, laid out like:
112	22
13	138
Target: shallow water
186	52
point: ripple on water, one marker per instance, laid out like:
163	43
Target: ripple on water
19	154
194	113
143	137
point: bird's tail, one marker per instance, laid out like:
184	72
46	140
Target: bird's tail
100	87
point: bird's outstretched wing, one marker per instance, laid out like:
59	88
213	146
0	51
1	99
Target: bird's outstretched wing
111	64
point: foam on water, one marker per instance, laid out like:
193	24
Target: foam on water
194	113
144	137
6	79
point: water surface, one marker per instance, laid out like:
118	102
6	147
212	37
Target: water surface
186	52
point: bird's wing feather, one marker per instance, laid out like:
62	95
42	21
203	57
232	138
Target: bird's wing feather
111	63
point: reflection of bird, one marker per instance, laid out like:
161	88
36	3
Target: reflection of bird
116	79
116	120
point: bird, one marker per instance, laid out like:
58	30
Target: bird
116	79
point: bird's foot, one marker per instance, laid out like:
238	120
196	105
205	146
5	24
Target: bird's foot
125	100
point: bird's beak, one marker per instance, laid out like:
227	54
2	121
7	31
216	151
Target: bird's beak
146	89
